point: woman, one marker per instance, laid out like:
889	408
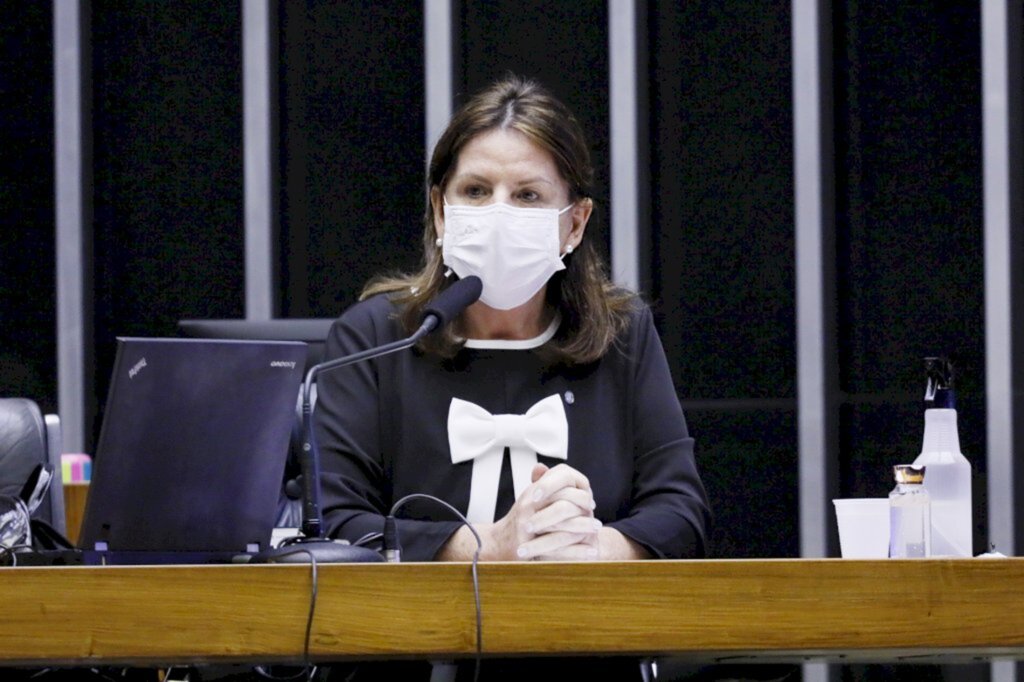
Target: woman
546	411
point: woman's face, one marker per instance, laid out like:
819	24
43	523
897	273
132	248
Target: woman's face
504	166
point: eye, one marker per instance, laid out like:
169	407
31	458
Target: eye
528	196
474	192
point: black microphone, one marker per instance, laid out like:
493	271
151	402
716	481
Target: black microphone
447	306
450	302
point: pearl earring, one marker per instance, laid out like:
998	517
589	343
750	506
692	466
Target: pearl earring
438	241
568	249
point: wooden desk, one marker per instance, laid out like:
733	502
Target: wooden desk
707	610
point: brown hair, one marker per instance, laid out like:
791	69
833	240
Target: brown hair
593	310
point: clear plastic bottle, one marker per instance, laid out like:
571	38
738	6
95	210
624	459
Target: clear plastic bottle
910	528
949	473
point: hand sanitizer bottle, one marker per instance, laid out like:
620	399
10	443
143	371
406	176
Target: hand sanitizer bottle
949	473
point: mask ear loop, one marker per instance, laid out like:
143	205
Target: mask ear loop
438	243
568	247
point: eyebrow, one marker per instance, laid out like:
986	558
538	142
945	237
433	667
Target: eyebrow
481	178
535	180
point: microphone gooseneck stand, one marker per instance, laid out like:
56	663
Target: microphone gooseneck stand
313	545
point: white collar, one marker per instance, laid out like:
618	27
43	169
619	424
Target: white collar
518	344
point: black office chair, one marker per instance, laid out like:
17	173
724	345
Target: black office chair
28	439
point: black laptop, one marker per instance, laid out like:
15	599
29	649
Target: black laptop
191	455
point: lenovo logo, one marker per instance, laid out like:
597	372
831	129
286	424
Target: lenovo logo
136	368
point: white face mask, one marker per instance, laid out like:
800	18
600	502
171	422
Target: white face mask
514	251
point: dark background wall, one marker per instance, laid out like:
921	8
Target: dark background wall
722	254
28	305
166	196
166	123
351	148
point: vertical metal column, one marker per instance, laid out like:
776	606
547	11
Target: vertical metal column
73	266
812	187
1001	116
257	74
437	67
439	93
624	143
809	136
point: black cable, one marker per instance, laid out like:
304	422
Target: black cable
12	552
368	538
476	561
170	670
106	674
299	539
308	670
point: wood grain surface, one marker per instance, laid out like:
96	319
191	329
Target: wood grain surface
709	610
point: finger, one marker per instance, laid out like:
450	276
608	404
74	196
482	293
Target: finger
583	499
553	480
538	471
581	525
526	503
572	476
578	552
547	543
551	485
556	513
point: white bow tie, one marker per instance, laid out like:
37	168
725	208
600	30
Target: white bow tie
476	434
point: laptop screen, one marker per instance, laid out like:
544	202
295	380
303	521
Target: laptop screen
313	331
192	449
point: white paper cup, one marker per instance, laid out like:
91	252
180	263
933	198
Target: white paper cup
863	527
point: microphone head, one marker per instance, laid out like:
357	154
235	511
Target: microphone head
453	300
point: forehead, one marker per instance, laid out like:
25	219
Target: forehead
506	152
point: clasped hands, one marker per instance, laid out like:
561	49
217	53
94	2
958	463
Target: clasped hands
553	519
